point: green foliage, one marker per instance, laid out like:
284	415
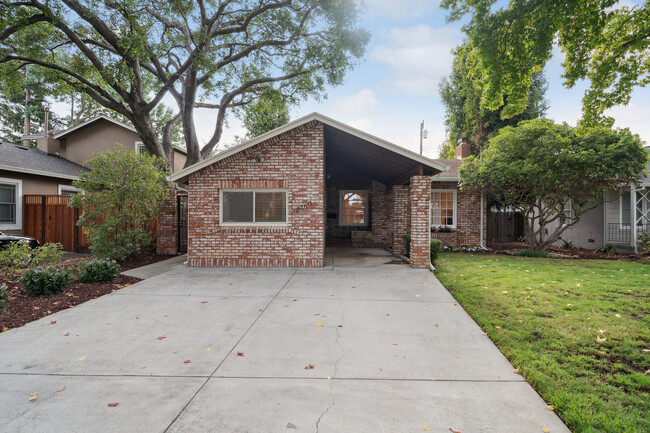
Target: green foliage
643	240
466	118
604	44
205	55
19	255
4	294
531	253
46	281
447	151
435	247
98	270
538	167
124	194
407	241
545	315
567	244
268	112
607	249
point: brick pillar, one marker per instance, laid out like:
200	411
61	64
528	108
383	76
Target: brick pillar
400	217
419	197
167	241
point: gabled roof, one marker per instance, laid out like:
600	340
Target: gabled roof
14	157
368	138
93	120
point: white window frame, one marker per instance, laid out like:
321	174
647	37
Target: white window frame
455	208
18	225
366	212
61	187
570	218
139	144
256	224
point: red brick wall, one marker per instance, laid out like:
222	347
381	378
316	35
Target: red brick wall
401	217
468	218
167	240
419	198
292	161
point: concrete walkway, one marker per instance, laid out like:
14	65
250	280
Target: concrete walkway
391	352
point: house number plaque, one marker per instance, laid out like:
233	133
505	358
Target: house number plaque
304	206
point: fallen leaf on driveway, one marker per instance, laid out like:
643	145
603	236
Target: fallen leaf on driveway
388	314
516	371
204	302
82	358
161	338
261	309
545	430
66	334
309	366
319	324
417	296
425	428
240	353
453	430
207	349
394	344
5	329
293	426
60	389
52	322
33	396
187	361
550	407
112	404
436	325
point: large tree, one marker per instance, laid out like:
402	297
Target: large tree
465	117
553	175
604	43
129	55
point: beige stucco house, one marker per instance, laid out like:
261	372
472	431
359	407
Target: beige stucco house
57	160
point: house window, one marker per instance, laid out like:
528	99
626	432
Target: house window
10	204
353	208
254	207
141	148
68	190
566	213
625	208
443	208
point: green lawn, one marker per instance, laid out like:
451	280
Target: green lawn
576	329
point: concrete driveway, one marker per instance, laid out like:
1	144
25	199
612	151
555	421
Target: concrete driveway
391	352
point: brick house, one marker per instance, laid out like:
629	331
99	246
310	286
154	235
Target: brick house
457	218
281	198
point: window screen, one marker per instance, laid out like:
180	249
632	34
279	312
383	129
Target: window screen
626	208
254	207
442	208
354	208
7	203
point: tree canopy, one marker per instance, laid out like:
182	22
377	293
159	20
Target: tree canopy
128	56
604	43
465	117
270	111
553	175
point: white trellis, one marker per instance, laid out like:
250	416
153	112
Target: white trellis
640	203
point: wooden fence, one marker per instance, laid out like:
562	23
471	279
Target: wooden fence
49	218
505	226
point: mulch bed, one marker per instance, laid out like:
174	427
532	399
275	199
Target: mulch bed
571	253
22	309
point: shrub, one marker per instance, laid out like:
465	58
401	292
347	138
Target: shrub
98	270
567	244
436	246
50	253
124	194
46	281
531	253
607	249
14	256
407	240
4	294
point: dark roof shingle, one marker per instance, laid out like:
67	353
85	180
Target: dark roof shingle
18	158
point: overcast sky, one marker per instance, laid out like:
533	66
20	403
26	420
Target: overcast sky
395	87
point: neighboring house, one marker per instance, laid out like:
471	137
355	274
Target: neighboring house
617	219
59	158
281	198
457	218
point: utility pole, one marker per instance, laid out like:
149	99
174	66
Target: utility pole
423	134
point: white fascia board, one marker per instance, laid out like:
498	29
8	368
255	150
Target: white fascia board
38	172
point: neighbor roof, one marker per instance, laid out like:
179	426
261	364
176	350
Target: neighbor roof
450	174
14	157
93	120
333	124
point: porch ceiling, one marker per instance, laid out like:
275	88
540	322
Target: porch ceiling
387	166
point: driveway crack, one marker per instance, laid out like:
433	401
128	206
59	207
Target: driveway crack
336	366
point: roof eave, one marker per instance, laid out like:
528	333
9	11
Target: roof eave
38	172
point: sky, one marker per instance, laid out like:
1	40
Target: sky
395	86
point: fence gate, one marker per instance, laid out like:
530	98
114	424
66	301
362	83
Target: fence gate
182	215
49	218
504	226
